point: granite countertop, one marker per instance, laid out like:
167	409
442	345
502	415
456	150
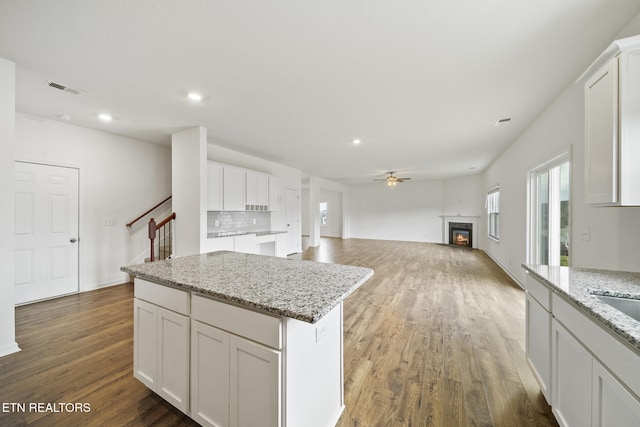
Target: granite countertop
582	286
219	234
302	290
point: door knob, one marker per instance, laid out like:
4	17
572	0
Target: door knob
73	240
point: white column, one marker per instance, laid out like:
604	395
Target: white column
314	211
188	182
7	213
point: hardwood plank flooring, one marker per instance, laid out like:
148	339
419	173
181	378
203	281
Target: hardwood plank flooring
435	338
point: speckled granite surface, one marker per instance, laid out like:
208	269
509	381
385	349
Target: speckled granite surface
582	286
241	233
302	290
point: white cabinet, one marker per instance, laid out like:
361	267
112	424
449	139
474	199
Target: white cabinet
209	375
612	106
538	343
571	365
587	374
161	346
215	177
274	193
281	245
257	192
235	381
245	243
233	188
538	333
612	404
254	384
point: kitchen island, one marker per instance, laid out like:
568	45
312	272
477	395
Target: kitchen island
239	339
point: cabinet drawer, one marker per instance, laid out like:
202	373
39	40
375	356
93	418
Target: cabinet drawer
539	291
170	298
255	326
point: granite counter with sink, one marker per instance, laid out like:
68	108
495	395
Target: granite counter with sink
582	287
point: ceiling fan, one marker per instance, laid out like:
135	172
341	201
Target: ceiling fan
392	180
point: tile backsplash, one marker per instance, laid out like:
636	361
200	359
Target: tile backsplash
238	221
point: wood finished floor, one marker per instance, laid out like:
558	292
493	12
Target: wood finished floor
435	338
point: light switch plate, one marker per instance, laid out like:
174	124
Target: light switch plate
110	221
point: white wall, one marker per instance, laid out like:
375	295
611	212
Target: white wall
412	210
334	213
119	177
7	213
305	212
409	211
615	232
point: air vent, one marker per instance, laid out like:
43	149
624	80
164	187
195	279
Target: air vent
502	121
64	88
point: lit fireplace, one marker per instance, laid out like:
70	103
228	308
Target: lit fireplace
461	234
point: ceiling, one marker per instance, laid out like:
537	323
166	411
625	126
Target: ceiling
420	82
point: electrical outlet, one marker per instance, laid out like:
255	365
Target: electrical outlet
216	223
254	221
110	221
586	234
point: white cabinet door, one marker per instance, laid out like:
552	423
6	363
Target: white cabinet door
220	244
161	352
246	244
601	135
538	343
233	188
214	186
571	373
281	245
173	358
209	375
257	191
274	193
613	405
255	384
145	342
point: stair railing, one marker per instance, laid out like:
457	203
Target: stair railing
149	211
164	237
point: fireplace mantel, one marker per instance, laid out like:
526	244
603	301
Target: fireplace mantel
460	218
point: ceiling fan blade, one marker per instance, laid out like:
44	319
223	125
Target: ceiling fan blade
403	179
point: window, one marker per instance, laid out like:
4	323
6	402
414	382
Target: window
323	213
493	213
549	230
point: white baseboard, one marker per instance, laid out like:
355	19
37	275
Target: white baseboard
124	279
9	349
502	267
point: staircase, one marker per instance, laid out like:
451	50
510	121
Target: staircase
160	234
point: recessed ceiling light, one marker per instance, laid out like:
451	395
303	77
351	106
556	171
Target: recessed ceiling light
194	96
64	116
105	117
502	121
356	141
472	168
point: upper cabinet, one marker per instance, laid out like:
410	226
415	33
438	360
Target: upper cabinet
231	188
612	126
257	191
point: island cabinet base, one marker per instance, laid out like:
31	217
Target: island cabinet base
226	365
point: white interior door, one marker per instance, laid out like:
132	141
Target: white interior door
46	227
292	217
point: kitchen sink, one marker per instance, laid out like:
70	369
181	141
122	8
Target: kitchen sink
629	306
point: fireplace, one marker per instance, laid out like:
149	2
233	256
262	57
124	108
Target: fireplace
461	234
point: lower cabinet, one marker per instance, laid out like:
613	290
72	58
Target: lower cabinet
161	352
234	382
571	365
538	343
612	404
591	376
